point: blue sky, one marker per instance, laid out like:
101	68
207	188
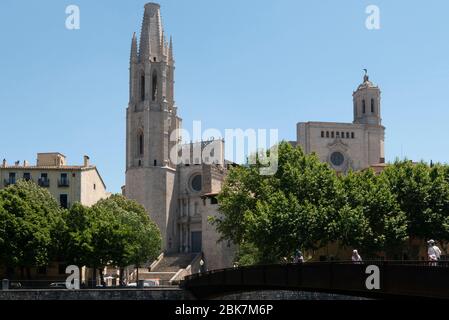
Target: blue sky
240	64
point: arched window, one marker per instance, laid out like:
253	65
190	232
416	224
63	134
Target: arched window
154	87
142	88
363	106
327	134
372	105
141	144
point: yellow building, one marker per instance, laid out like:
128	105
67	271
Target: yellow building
67	183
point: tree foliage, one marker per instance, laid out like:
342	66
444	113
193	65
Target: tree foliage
35	230
306	205
135	239
115	231
277	214
30	223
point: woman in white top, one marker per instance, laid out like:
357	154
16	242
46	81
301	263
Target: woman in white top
356	258
433	252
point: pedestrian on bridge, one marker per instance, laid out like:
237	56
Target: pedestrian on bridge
433	253
299	258
356	258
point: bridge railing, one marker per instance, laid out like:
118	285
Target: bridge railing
415	278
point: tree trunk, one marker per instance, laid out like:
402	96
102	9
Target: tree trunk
81	278
101	277
122	271
94	280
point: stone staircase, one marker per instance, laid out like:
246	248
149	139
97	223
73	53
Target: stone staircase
174	262
167	268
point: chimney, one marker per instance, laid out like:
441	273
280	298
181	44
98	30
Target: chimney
86	161
4	163
26	163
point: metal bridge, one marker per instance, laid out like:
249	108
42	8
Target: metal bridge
370	279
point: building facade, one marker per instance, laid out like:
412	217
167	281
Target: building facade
68	184
178	184
169	179
349	146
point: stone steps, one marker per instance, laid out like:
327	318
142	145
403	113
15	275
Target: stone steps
174	262
162	276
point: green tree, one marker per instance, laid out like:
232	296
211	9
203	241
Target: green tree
136	239
90	237
371	218
115	231
30	226
277	214
422	192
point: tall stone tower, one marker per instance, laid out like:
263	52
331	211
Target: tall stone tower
151	121
367	103
367	113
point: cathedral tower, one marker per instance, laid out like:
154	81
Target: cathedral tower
367	103
151	121
367	112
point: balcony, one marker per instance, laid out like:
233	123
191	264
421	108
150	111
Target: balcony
63	183
44	182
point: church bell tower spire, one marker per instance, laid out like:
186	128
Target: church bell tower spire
152	122
367	102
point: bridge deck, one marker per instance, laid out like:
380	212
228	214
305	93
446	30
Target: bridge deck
405	279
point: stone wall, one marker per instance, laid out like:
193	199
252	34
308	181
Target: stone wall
102	294
287	295
167	294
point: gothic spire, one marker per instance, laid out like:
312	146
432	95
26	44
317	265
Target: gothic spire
144	38
151	36
133	57
159	36
170	51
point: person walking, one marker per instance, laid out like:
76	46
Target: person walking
202	267
356	258
433	252
298	258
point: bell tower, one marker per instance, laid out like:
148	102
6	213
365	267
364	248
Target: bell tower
151	122
367	103
367	114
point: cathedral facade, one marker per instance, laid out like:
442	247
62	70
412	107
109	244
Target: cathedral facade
349	146
177	184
